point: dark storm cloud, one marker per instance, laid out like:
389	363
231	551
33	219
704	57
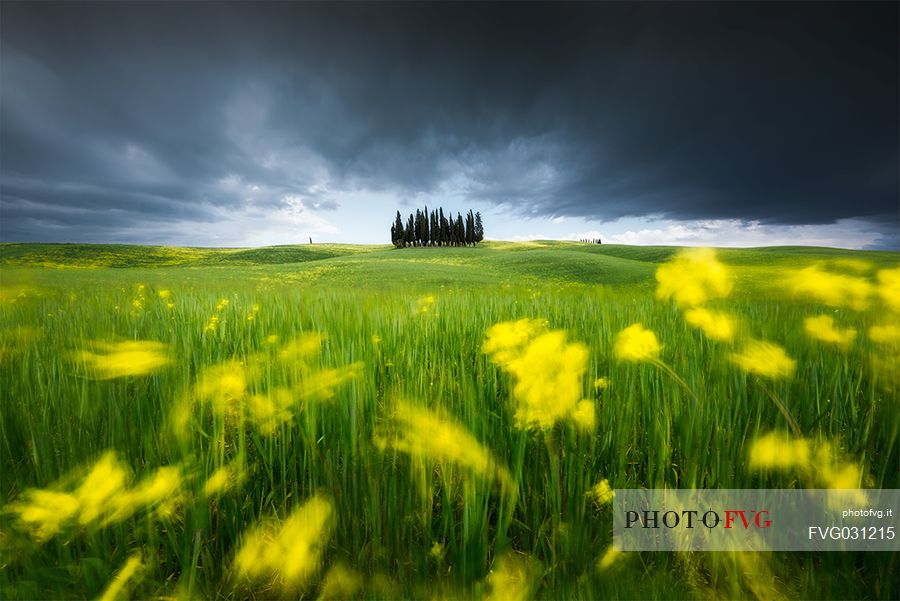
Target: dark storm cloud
778	112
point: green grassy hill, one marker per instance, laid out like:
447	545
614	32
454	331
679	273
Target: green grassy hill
383	267
165	408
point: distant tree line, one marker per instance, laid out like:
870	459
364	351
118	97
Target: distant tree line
591	240
433	228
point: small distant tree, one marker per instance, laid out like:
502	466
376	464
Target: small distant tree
479	228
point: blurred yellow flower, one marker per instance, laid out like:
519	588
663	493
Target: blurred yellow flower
692	277
779	451
602	493
512	578
437	550
289	551
889	287
102	487
505	339
548	372
340	583
223	386
833	289
161	490
164	294
818	462
44	513
425	303
223	479
301	347
765	359
635	343
120	359
609	559
114	590
884	334
717	326
102	497
549	375
822	328
601	383
426	434
585	416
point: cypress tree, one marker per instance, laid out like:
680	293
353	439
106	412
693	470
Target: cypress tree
479	228
418	228
445	230
397	231
409	235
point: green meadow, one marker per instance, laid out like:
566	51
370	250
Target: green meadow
341	421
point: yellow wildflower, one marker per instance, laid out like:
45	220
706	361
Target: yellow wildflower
884	334
692	277
101	489
779	452
223	386
512	578
602	493
162	489
717	326
128	571
549	376
425	434
889	287
425	303
635	343
120	359
437	550
609	559
164	294
44	512
548	372
585	416
822	328
222	480
340	583
765	359
601	383
832	289
290	550
306	345
504	340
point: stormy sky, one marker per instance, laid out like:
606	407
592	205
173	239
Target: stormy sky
239	124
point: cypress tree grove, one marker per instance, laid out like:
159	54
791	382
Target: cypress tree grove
433	228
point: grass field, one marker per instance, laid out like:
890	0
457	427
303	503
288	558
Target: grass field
336	421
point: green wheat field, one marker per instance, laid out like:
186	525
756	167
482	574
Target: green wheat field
342	422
